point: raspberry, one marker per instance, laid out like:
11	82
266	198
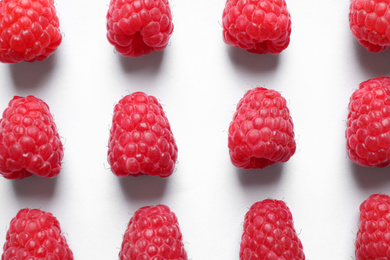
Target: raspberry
369	22
372	240
29	142
34	234
261	132
258	26
368	123
153	233
138	27
29	30
269	233
141	140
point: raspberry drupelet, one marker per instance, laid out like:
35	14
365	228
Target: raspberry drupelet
372	240
29	141
141	140
153	233
368	123
369	22
258	26
262	131
269	233
34	234
29	30
138	27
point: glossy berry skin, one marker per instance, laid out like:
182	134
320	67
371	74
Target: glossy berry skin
372	240
269	233
368	123
369	22
141	140
35	235
261	132
138	27
258	26
153	233
29	30
29	141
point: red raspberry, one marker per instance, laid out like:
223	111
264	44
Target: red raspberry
34	234
138	27
372	241
269	233
153	233
369	22
368	123
258	26
29	30
141	140
261	132
29	142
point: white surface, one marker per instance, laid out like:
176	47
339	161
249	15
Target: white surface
199	80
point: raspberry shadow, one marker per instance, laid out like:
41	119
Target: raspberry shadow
369	177
150	63
143	187
28	76
35	187
373	63
266	176
251	62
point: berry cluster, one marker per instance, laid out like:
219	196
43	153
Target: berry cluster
152	233
141	141
29	29
368	126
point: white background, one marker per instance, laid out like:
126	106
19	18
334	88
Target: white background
199	80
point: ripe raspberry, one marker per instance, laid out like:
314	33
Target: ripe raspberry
373	241
138	27
368	123
261	132
153	233
369	22
29	142
34	234
29	30
269	233
141	140
258	26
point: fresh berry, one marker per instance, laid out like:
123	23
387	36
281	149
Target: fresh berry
368	123
269	233
29	30
35	235
369	22
261	132
372	240
258	26
138	27
29	141
141	140
153	233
